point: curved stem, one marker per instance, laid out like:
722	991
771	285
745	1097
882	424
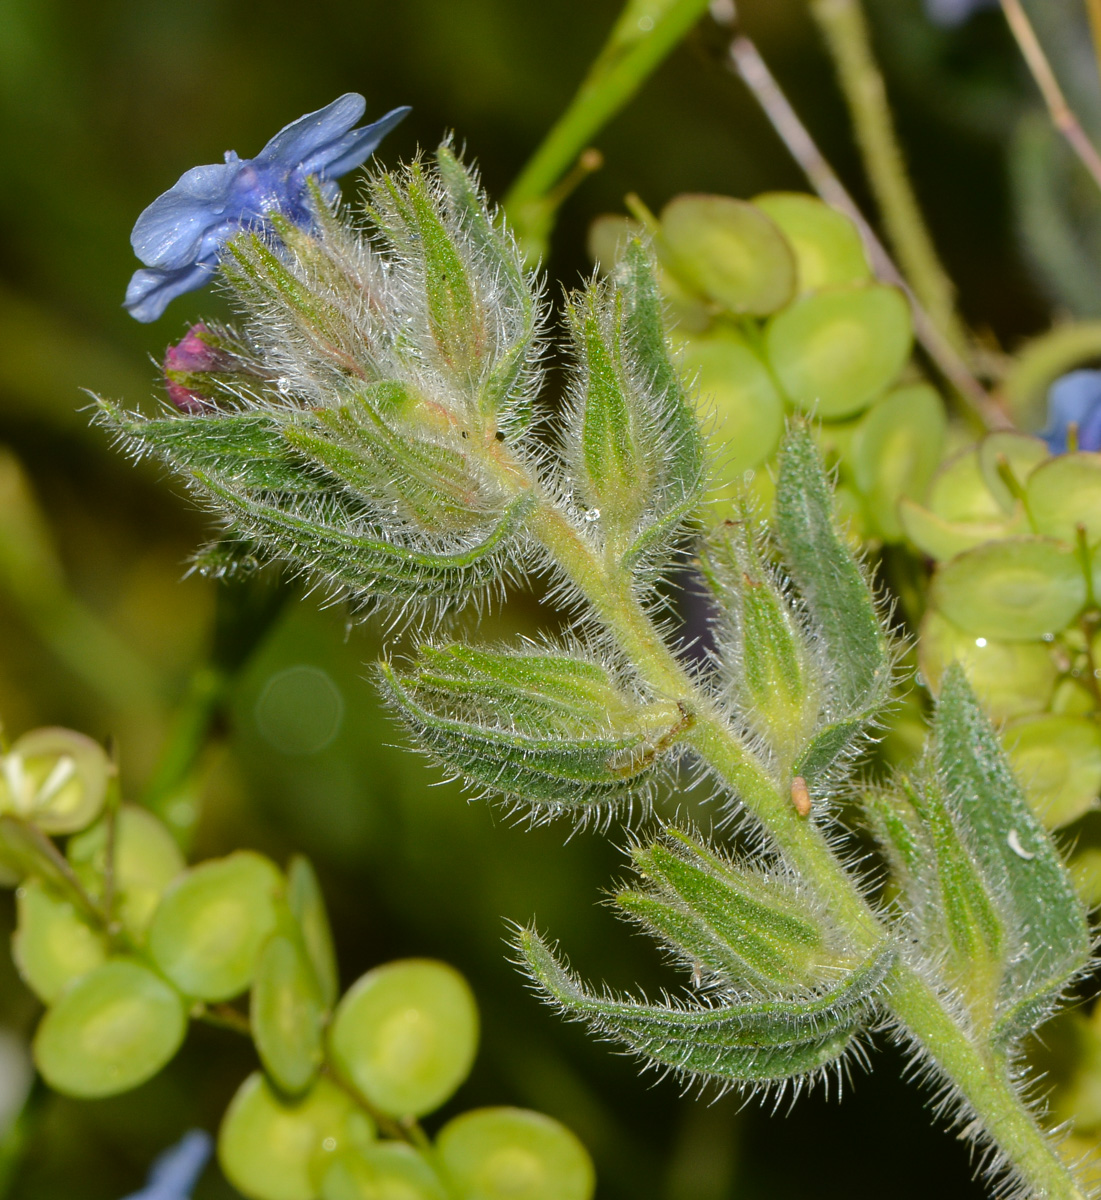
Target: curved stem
846	32
982	1082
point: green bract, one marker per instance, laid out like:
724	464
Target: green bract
729	252
835	351
827	245
208	929
385	1171
56	778
109	1031
1015	590
52	944
272	1149
514	1154
405	1034
146	860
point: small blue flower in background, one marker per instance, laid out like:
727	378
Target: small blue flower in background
954	12
180	234
175	1173
1074	398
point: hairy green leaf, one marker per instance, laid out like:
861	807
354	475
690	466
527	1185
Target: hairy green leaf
741	1042
552	730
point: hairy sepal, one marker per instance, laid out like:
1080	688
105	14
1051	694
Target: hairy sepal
633	447
555	732
850	636
740	1042
739	925
310	509
995	919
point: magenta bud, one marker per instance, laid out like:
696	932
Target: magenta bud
189	357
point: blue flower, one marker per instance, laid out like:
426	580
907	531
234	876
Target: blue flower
1074	398
955	12
176	1172
180	235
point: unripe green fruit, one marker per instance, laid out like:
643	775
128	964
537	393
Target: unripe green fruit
146	860
1065	493
109	1031
52	944
1015	590
1058	760
287	1013
308	906
55	778
828	248
728	252
208	929
1017	453
384	1171
275	1149
513	1154
835	351
405	1035
735	384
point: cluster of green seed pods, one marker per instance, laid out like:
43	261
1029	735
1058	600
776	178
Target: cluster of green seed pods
124	944
1013	532
776	312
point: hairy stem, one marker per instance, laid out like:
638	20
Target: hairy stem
846	32
983	1082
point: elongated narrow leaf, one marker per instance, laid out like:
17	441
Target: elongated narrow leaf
1046	934
750	1042
830	579
552	730
748	929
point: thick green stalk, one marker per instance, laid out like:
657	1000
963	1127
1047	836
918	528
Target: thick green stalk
846	32
647	30
982	1081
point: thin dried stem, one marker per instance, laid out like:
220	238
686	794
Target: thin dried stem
1062	115
745	61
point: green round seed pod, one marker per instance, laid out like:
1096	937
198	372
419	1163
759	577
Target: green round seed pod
109	1031
729	252
835	351
57	779
384	1171
276	1149
308	906
735	384
942	539
1058	761
1085	870
513	1154
895	451
1015	590
287	1014
147	859
1065	492
1018	453
829	251
405	1035
1012	679
959	492
208	928
52	944
608	237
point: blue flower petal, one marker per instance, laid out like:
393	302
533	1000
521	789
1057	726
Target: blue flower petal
301	139
354	148
1074	397
151	289
176	1172
168	233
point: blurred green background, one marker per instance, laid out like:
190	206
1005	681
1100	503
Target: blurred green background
102	106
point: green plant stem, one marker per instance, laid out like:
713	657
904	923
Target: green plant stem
983	1082
846	32
647	30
